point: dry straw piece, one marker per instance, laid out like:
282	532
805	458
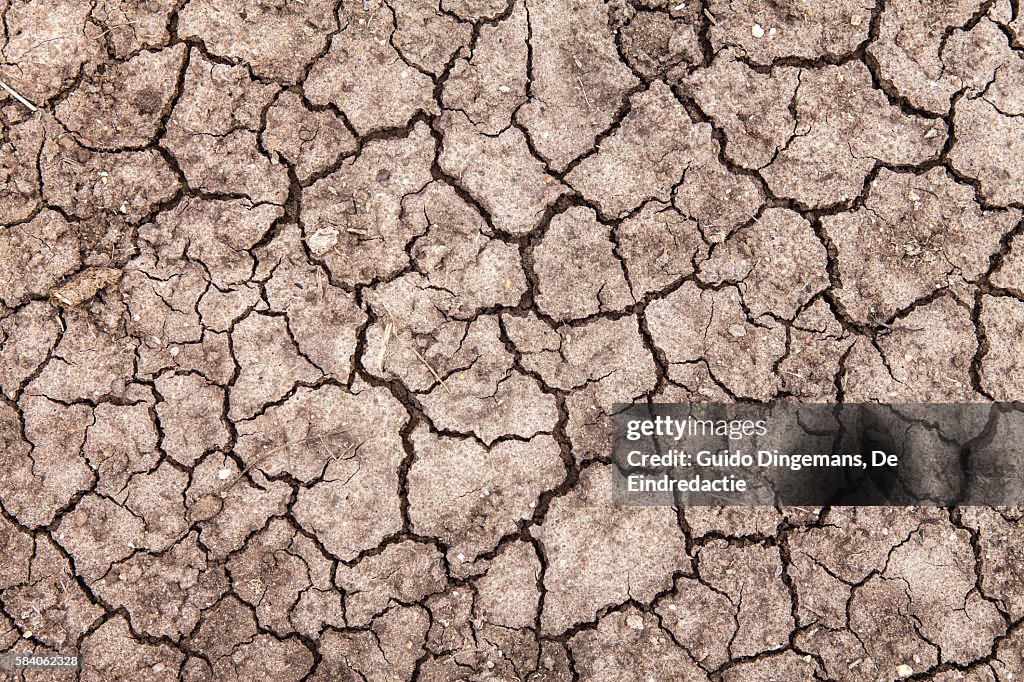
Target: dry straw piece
84	286
31	107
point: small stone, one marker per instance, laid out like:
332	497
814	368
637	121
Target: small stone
757	31
737	330
223	474
903	671
323	240
635	622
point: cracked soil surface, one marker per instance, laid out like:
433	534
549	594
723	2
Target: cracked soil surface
346	291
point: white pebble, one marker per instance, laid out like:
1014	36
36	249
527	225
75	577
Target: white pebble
634	622
223	474
757	31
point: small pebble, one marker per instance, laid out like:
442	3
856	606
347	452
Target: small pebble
757	31
635	622
903	670
223	474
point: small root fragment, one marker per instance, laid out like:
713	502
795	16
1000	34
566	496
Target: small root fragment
392	325
263	455
427	365
389	329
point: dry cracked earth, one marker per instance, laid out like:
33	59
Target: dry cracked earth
346	291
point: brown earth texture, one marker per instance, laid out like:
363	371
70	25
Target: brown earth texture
312	315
